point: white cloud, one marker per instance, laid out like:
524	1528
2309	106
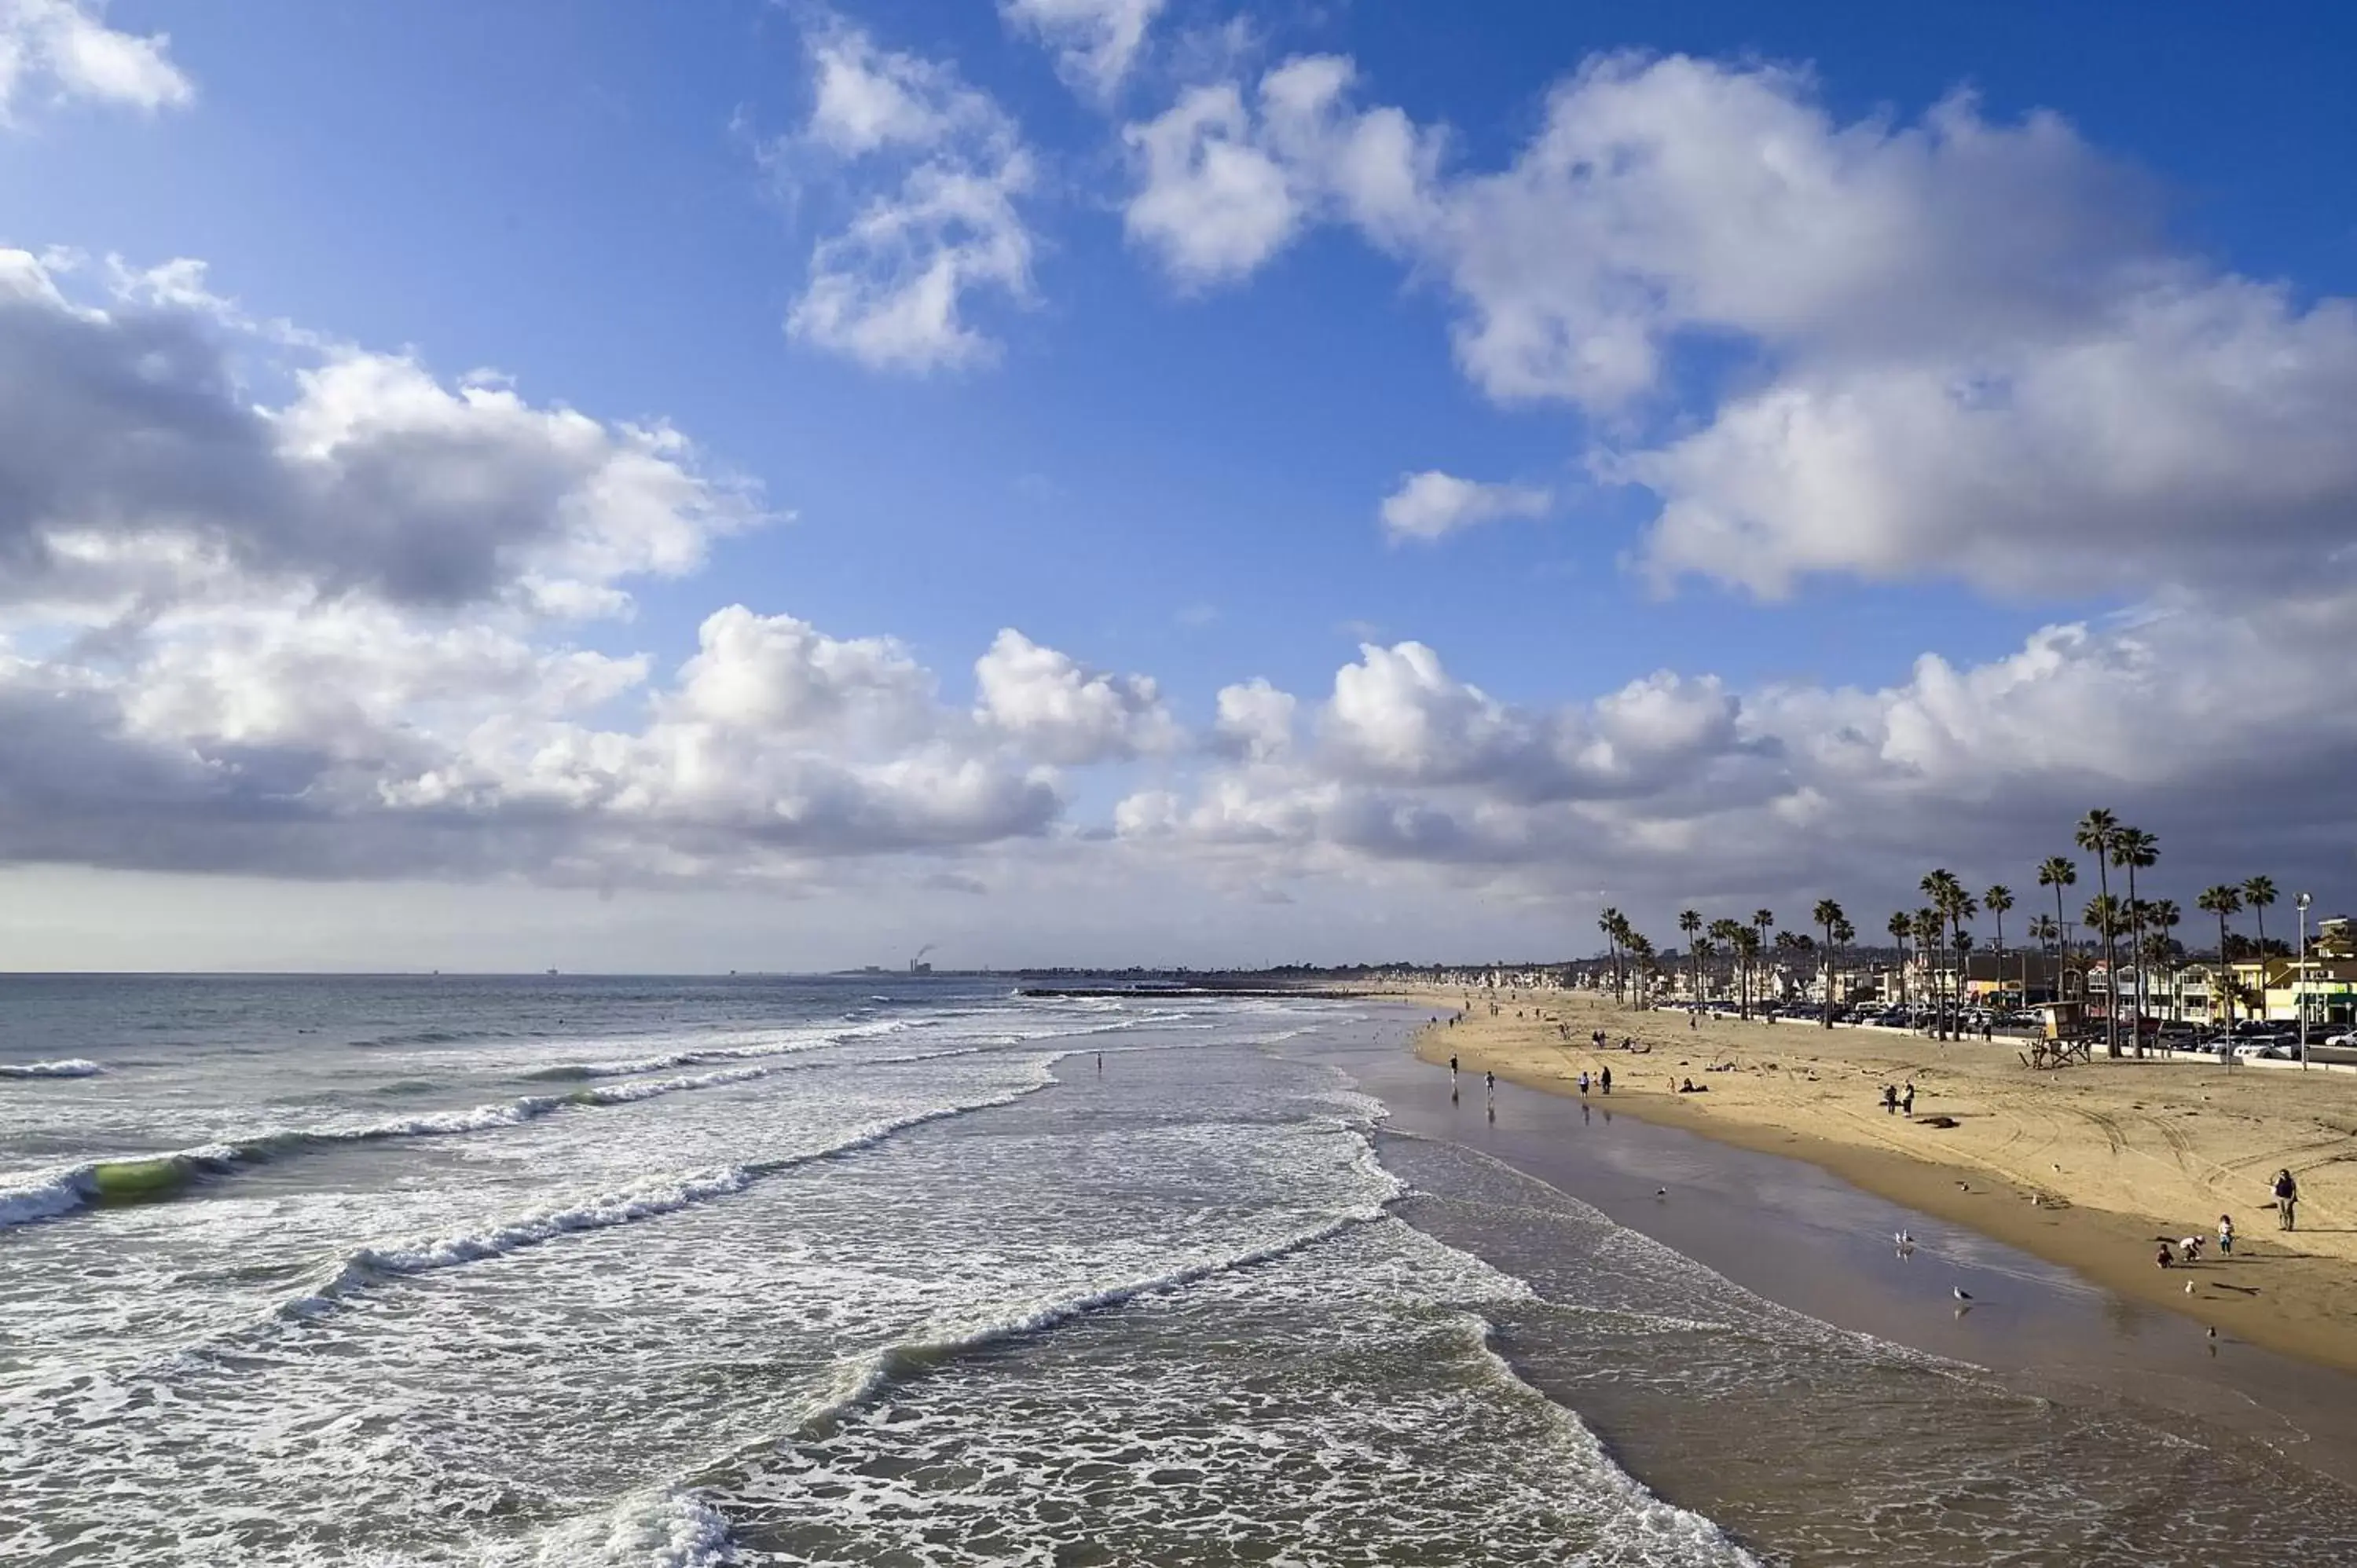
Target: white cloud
66	46
1095	40
328	638
1432	504
135	469
890	290
1224	185
1973	353
1062	712
2180	716
1212	204
1256	720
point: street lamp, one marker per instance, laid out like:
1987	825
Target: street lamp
2299	997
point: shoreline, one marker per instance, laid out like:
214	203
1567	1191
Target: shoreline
2108	1141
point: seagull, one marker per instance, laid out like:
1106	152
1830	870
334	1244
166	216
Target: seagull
2213	1333
2189	1287
1661	1192
1904	1240
1962	1293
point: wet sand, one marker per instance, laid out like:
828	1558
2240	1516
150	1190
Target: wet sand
1804	1235
2116	1154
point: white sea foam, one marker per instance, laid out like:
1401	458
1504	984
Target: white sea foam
671	1528
72	1067
47	1195
639	1200
859	1378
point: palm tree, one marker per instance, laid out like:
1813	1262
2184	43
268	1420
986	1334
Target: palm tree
1762	921
2047	932
1612	924
2160	918
2136	849
2259	892
1844	935
1948	896
1996	901
1928	926
2106	917
1640	957
2058	873
1722	931
1901	926
2097	831
1829	915
1690	927
2221	900
1747	949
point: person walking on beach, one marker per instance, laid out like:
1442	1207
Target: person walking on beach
2286	1201
2225	1235
1583	1085
1604	1079
1452	1064
1490	1084
1907	1101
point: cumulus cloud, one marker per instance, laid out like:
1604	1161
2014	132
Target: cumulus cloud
1095	40
1256	720
1225	182
136	468
892	288
1431	504
2177	715
66	47
1974	353
329	636
1065	713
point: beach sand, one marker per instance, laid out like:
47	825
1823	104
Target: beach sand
2117	1154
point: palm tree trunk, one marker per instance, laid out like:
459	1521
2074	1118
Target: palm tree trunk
2111	964
2261	912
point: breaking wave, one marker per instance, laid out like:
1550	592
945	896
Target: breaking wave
72	1067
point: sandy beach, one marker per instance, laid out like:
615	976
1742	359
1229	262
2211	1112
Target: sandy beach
2086	1166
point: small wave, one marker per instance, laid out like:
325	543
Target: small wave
672	1528
148	1177
641	1200
72	1067
859	1379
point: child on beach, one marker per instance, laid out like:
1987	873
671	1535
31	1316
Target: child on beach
2165	1258
1583	1085
2225	1235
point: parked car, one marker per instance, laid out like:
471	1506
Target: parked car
2268	1050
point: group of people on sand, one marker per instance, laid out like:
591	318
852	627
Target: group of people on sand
1895	1100
2284	1189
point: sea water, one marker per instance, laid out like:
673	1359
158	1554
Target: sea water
921	1272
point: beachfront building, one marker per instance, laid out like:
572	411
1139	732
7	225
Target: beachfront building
2011	980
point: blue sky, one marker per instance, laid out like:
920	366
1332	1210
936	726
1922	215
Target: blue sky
1172	475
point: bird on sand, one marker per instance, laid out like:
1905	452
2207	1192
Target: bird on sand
1904	1240
1661	1192
1962	1293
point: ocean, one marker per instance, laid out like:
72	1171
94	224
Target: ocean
884	1269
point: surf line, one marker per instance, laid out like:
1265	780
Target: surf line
146	1179
645	1200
